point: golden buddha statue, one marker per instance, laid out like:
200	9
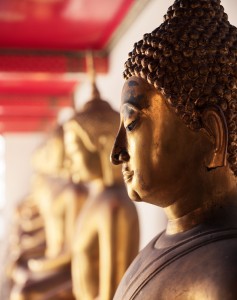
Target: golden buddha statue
47	163
27	234
59	201
177	144
58	198
107	234
27	222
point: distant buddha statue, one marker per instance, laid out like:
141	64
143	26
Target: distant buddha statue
177	144
26	235
59	201
27	214
58	198
107	234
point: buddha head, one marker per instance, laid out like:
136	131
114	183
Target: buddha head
89	137
179	105
49	158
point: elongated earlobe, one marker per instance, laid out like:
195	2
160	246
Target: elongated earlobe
215	124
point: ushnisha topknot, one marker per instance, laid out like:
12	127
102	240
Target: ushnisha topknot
96	117
191	59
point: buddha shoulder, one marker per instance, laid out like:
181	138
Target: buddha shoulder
201	268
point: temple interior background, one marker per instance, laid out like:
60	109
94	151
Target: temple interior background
18	141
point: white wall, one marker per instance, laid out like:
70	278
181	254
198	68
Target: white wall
19	148
231	10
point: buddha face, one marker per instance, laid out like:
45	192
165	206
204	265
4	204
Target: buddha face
160	156
84	164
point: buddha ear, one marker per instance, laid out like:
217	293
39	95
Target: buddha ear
215	124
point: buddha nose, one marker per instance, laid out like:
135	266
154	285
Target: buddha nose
119	155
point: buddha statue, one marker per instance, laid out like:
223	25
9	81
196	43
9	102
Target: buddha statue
58	198
177	144
107	232
59	201
28	225
31	212
27	214
27	222
27	234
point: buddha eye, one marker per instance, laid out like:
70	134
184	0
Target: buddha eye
131	115
131	125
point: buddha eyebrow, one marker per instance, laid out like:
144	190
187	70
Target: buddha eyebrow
139	101
132	83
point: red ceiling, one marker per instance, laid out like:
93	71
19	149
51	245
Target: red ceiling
32	105
41	42
28	86
60	24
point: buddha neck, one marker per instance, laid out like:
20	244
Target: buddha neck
199	216
198	206
185	222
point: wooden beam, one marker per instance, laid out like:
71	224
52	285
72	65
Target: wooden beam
46	101
26	124
43	61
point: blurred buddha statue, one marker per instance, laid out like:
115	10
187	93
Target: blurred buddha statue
58	198
178	148
47	160
107	234
27	235
27	214
59	201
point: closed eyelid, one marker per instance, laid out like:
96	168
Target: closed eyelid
129	112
